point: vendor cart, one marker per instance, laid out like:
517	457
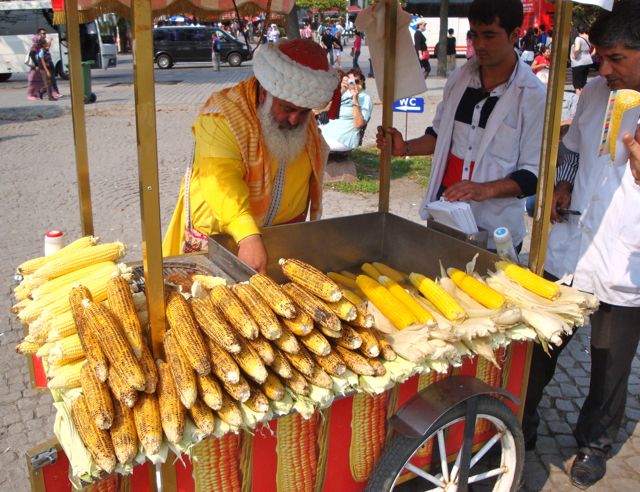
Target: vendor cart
447	428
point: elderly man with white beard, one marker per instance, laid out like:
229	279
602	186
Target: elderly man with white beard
258	156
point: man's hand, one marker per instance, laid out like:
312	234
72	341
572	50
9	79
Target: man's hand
560	201
468	190
633	144
251	250
397	145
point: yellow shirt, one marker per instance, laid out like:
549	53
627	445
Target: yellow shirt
219	195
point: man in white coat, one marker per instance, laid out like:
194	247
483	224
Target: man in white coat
487	131
600	247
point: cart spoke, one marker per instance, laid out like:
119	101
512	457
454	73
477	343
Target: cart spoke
423	474
456	465
488	474
443	455
489	444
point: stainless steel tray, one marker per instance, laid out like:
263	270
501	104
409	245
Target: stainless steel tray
347	242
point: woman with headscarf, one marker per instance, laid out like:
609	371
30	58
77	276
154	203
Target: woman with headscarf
34	79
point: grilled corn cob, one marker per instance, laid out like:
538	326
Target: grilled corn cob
149	369
209	391
214	325
81	258
477	290
222	364
30	266
123	433
146	415
311	279
203	417
385	347
239	391
113	343
439	297
257	401
380	296
370	346
331	363
281	365
302	361
297	383
343	280
420	314
530	281
314	307
287	341
263	348
390	272
229	412
257	307
122	306
363	318
370	270
350	338
319	378
97	441
316	343
273	388
98	397
301	325
343	309
378	366
330	333
251	364
187	333
121	390
355	362
172	413
183	374
235	313
67	376
274	296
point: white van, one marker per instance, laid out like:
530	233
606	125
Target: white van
20	21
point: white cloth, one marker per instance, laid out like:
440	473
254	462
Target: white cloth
602	246
511	141
584	53
409	80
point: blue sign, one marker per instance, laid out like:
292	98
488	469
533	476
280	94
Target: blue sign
409	105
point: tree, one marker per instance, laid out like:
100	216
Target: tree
442	41
320	4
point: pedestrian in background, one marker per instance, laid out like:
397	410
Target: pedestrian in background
326	41
451	51
43	66
337	49
528	46
471	51
215	52
420	42
581	60
35	83
357	46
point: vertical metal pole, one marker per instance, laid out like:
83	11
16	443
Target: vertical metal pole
144	90
77	114
390	30
551	136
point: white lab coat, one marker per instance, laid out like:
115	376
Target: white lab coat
602	246
511	141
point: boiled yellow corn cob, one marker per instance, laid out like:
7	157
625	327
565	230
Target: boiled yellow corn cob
30	266
281	365
419	313
62	285
311	279
343	280
390	272
439	297
316	343
172	413
187	333
302	361
348	274
370	270
385	347
343	309
229	412
209	390
113	343
319	378
239	391
215	464
273	388
80	259
222	364
121	390
355	362
274	296
214	325
350	338
98	398
297	383
250	362
625	99
44	350
297	452
352	297
380	296
27	348
123	433
66	350
97	441
300	325
122	306
529	280
287	341
477	290
149	369
314	307
263	348
203	417
332	363
60	327
370	346
235	313
368	433
257	307
146	415
183	374
67	376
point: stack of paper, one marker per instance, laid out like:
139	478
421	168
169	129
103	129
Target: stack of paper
457	215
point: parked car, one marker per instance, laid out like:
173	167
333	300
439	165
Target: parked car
174	44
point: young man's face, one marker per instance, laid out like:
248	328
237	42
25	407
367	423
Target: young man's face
492	43
42	33
620	66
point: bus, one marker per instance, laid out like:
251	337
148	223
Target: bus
20	21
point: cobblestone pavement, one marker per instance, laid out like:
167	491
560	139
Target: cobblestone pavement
39	192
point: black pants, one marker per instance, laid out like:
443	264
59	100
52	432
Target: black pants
615	332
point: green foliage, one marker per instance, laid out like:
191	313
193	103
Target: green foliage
367	161
321	4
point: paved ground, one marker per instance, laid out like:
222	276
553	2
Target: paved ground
39	192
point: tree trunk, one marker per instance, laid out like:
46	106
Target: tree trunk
292	29
442	41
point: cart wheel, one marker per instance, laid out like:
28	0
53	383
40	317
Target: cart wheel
496	466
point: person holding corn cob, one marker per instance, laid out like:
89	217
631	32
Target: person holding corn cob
485	137
599	244
258	155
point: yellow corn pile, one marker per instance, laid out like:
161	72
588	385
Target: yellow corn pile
388	305
440	298
529	280
477	290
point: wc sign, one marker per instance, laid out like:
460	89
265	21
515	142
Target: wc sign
409	105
